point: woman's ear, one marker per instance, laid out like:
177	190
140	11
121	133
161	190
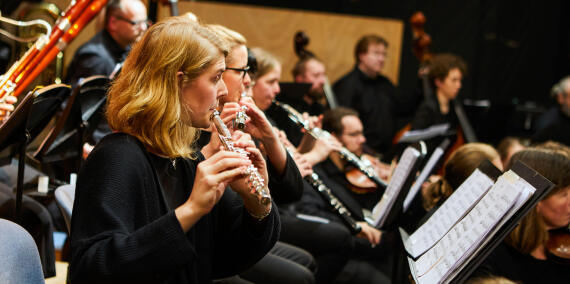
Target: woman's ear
180	78
437	82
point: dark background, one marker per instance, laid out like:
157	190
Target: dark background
515	51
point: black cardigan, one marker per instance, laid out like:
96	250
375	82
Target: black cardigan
124	228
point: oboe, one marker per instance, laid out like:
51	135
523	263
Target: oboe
317	133
256	182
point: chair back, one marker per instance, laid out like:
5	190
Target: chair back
20	261
64	196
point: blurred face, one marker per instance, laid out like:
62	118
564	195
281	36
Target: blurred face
352	136
128	25
234	79
314	74
564	100
555	209
266	88
372	62
451	85
200	96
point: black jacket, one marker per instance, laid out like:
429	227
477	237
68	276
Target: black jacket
124	228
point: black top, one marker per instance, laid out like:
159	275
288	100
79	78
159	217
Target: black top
98	56
508	262
555	125
429	114
374	99
124	228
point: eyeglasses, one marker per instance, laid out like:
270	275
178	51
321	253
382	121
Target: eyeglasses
244	70
139	23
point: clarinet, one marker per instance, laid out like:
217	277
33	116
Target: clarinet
256	182
317	133
326	193
328	196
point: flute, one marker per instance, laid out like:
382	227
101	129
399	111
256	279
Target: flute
241	117
255	181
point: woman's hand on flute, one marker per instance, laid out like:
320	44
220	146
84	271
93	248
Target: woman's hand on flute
212	177
242	186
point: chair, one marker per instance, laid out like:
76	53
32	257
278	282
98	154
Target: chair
64	196
20	261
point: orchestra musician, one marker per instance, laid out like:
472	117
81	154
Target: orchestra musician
321	240
370	93
310	69
445	74
523	256
284	263
149	208
344	124
125	22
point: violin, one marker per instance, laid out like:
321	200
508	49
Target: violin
359	182
558	246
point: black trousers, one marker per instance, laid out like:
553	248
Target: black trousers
282	265
331	244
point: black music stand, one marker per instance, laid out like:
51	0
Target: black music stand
29	118
82	114
292	92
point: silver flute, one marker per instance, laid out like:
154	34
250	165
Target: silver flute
255	181
241	117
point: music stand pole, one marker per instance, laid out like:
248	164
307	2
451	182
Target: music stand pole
21	170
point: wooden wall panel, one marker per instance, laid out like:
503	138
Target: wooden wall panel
332	36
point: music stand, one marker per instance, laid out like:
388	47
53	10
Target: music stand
31	115
292	92
79	119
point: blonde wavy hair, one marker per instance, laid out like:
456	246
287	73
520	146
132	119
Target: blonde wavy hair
266	61
456	170
144	101
231	37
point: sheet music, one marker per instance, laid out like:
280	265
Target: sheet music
423	134
527	190
405	164
423	176
476	228
450	212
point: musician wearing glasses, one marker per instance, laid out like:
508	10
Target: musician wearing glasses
125	22
284	263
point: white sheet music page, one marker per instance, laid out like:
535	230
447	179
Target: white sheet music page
423	176
450	212
526	192
382	208
464	238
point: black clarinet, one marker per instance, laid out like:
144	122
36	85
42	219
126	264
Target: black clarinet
326	193
328	196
